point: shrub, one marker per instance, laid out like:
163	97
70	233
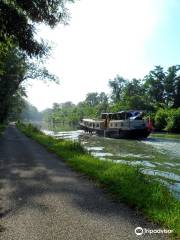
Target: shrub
161	119
173	120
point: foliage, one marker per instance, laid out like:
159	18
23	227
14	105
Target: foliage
125	182
16	104
18	20
29	113
18	45
69	113
166	135
163	88
117	87
2	127
158	92
158	89
168	119
161	119
173	121
15	68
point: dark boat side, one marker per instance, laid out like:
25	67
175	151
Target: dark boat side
119	125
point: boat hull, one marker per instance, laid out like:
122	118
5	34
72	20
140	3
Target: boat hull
119	133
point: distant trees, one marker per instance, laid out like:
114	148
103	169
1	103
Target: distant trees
158	89
30	113
69	113
15	68
158	93
163	88
127	94
117	86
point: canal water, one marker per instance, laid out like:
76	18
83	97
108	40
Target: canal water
157	157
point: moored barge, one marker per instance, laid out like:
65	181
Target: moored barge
124	124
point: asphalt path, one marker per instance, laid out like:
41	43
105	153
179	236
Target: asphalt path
42	198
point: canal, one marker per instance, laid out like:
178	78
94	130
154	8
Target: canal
157	157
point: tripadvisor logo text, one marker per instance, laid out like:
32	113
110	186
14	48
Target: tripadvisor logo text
140	231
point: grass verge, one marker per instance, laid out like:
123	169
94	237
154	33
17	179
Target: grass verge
2	127
124	182
166	135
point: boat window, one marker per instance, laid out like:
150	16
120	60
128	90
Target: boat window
114	116
138	118
97	125
103	116
122	115
116	124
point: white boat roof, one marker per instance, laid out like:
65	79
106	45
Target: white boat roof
92	120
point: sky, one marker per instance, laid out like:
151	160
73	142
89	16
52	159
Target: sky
105	38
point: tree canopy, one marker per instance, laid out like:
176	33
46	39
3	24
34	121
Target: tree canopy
19	45
18	19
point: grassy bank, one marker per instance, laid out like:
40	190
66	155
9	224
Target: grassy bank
124	182
2	127
166	135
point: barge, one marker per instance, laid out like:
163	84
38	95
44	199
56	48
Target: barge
124	124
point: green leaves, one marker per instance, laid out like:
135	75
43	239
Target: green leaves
18	20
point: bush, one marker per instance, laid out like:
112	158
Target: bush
168	119
173	121
161	119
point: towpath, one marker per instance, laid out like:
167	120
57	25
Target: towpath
42	199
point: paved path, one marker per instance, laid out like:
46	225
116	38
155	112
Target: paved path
42	198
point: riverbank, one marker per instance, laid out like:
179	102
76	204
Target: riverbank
2	127
163	135
125	183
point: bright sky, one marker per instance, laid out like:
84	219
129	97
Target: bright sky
106	38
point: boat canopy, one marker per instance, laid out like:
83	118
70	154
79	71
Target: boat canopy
123	115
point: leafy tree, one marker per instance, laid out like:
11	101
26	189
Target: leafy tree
154	85
18	18
17	104
92	99
133	88
172	87
163	88
117	87
15	68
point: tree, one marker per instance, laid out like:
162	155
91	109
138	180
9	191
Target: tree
92	99
18	18
17	104
15	68
172	87
29	113
163	88
154	85
117	87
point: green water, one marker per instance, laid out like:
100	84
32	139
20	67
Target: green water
159	158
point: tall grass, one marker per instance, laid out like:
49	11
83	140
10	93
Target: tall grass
124	182
166	135
2	127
